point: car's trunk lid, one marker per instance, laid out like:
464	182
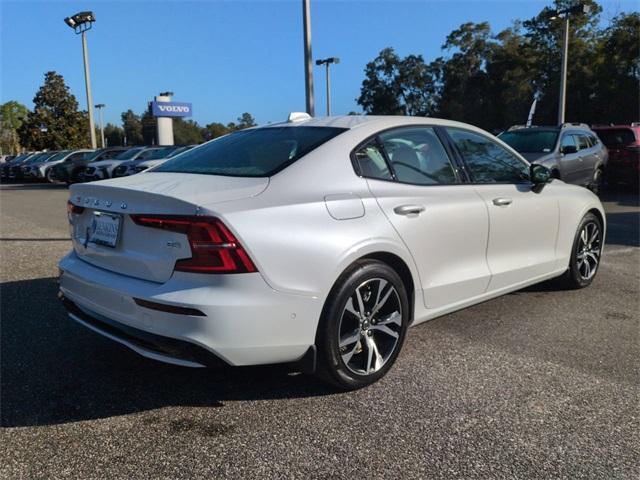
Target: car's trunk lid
139	251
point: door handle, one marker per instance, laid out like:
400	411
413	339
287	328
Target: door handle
502	201
409	209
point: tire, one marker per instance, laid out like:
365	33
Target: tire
596	182
49	176
580	275
356	350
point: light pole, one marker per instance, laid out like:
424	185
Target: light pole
579	8
100	106
326	62
308	65
81	22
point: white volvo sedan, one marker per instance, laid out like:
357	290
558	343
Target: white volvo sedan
319	241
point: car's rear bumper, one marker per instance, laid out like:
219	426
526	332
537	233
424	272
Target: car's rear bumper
242	322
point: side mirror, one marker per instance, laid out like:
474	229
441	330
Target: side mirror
569	149
540	176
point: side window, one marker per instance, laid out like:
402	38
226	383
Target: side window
568	141
417	156
583	142
488	162
371	162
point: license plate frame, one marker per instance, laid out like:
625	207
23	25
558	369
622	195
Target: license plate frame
105	229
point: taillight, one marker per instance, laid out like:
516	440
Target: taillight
214	248
73	210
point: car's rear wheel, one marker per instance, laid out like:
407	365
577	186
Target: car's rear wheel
363	326
586	253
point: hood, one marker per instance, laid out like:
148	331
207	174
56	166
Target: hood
187	187
538	157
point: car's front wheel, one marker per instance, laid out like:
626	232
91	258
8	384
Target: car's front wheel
363	326
585	254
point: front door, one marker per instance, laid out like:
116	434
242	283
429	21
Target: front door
523	224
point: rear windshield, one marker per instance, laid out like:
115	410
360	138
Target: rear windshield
260	152
530	141
616	137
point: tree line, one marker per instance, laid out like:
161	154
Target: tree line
56	123
490	79
484	78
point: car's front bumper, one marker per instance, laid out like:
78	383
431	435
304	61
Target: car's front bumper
245	322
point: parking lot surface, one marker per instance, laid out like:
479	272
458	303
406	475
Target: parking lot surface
540	383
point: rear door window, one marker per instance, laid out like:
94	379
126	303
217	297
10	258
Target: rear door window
583	142
417	156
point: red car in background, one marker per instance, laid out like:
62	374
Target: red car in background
623	143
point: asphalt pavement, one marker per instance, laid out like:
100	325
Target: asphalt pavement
541	383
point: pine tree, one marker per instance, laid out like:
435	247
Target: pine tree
55	122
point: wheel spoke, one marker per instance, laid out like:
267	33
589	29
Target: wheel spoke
394	317
350	338
360	302
583	236
587	268
384	329
373	355
594	235
381	284
346	357
349	308
380	303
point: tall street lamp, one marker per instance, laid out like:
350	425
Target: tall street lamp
576	9
327	62
81	22
308	62
100	106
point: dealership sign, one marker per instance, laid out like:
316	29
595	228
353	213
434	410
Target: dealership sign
170	109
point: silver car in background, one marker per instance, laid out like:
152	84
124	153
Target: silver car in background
573	152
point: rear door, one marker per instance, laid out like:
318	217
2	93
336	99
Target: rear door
443	222
588	158
523	224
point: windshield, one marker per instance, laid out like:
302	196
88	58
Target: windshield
530	141
616	137
156	153
58	156
106	155
260	152
129	154
179	150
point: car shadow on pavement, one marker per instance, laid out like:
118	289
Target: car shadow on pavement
54	371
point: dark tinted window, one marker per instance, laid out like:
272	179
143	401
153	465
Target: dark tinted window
259	152
371	162
616	137
530	141
583	142
488	162
417	156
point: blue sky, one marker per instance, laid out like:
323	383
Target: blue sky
228	57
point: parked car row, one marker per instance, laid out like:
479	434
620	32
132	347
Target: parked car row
579	154
85	165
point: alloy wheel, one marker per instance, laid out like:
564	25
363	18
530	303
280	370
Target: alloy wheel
370	326
589	249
